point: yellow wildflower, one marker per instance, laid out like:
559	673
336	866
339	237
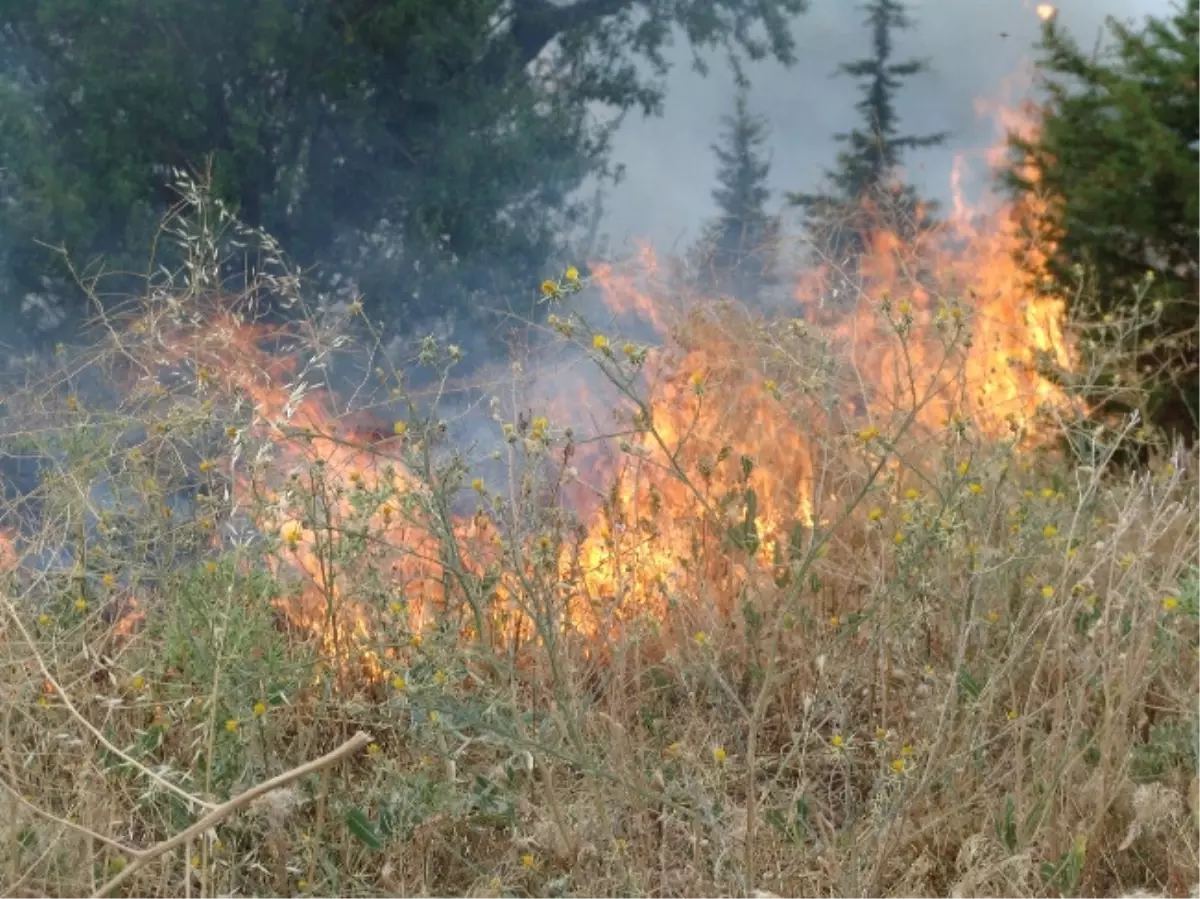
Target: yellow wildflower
1170	603
572	273
549	288
837	741
866	435
719	755
600	342
1047	592
399	428
231	725
291	531
260	709
898	766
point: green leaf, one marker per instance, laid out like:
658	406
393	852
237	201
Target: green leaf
968	686
362	828
1006	827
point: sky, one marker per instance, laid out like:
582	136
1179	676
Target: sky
670	168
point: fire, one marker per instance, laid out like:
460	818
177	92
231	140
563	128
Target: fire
732	447
8	551
310	476
1046	11
727	467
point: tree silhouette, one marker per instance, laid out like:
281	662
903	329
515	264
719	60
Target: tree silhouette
863	193
736	253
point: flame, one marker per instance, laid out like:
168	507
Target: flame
752	440
721	476
1046	11
351	464
8	551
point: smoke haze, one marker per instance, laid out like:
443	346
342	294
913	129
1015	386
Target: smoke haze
973	46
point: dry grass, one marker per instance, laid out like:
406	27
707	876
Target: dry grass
976	675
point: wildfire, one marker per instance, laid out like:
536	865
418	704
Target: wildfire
944	326
312	477
1046	11
735	456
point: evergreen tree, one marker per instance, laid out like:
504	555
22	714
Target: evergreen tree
863	192
736	253
1115	165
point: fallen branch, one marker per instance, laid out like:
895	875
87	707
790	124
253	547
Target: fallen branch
143	857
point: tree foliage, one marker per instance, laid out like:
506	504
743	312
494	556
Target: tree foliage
736	253
1116	162
863	192
431	148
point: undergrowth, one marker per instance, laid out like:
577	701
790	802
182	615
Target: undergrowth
745	641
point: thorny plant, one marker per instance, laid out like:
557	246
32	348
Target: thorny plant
771	643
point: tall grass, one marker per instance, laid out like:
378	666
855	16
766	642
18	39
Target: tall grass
828	656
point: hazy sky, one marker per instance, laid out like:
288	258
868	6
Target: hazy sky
670	166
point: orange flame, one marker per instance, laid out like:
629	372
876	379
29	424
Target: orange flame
329	475
8	551
752	442
720	477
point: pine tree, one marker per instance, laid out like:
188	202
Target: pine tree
1116	165
863	186
736	253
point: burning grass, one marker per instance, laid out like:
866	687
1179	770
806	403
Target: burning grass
812	623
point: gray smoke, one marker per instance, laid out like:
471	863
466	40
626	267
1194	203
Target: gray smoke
972	45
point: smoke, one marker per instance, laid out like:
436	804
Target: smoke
973	47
